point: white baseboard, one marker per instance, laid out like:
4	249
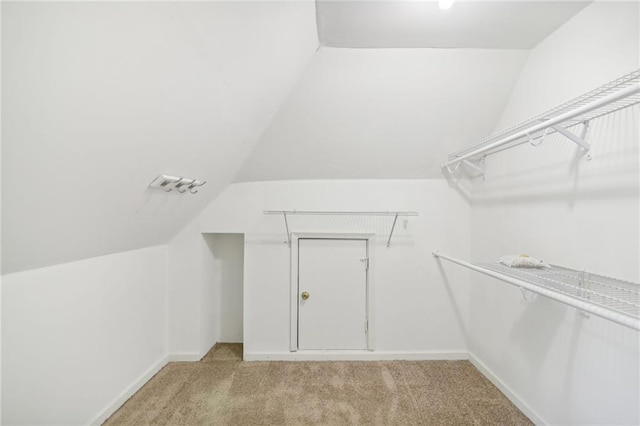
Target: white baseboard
141	381
506	390
184	357
356	356
128	392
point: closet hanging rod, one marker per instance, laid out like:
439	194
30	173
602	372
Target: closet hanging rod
628	320
546	124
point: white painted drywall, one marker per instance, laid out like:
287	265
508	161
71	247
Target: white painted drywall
545	202
101	97
0	228
414	310
186	274
76	336
225	261
219	310
210	301
383	113
199	297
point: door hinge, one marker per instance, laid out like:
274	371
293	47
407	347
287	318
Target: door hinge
366	326
366	262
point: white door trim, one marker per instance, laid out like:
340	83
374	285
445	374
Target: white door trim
295	237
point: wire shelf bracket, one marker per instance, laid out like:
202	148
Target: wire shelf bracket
286	213
477	167
614	96
606	297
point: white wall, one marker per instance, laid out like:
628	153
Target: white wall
227	253
186	275
197	306
0	231
210	302
550	204
219	306
76	336
413	309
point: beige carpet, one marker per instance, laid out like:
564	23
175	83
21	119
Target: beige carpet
223	390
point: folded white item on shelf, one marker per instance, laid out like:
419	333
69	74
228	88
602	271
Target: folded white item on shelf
522	261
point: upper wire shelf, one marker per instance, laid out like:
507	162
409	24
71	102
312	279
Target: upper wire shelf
611	298
614	96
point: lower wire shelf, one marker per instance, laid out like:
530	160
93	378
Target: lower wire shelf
606	297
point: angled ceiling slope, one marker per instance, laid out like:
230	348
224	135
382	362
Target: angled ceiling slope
384	113
100	98
467	24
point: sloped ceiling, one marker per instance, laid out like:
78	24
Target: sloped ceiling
467	24
384	113
100	98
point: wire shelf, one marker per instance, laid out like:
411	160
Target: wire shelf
610	298
614	96
609	293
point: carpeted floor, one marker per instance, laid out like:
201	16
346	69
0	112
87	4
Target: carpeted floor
223	390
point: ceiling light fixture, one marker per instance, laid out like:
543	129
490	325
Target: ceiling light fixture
445	4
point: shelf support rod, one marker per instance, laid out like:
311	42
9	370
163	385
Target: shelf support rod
473	167
392	228
286	225
605	313
583	136
575	139
548	123
585	130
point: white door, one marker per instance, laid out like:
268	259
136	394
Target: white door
332	294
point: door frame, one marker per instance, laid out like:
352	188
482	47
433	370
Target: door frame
295	237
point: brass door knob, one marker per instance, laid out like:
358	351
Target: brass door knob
304	295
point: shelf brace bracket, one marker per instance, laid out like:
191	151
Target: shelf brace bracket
575	139
477	168
582	293
395	219
585	132
528	295
286	225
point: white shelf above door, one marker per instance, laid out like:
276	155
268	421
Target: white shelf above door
289	213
